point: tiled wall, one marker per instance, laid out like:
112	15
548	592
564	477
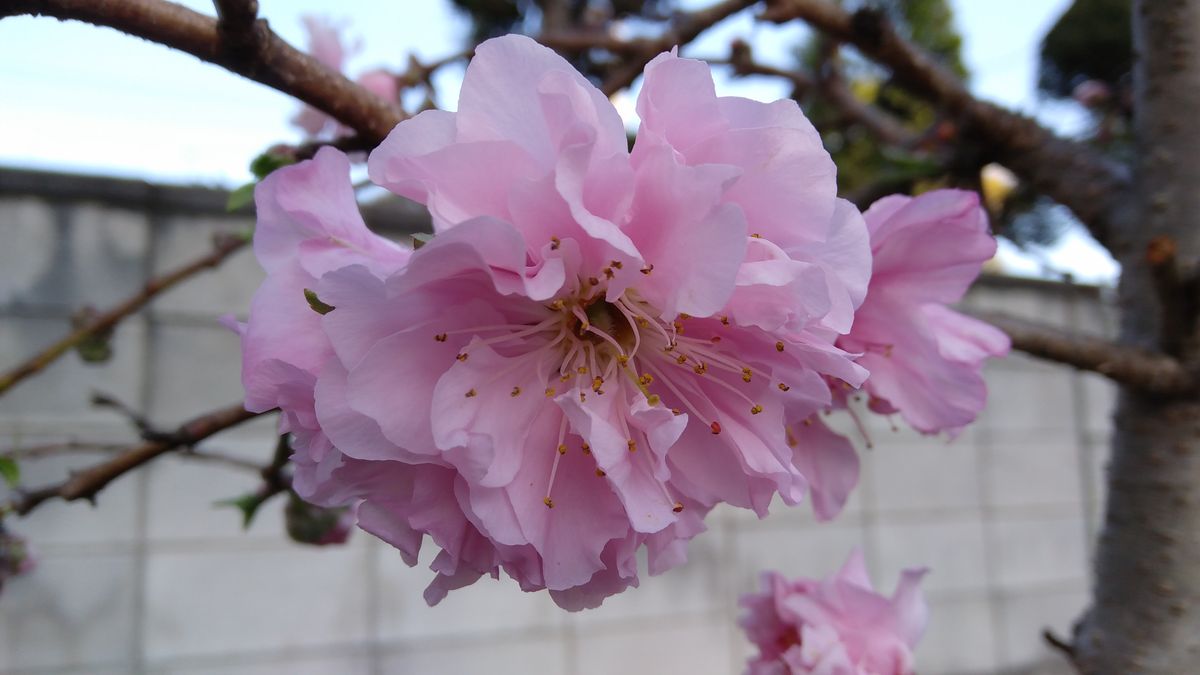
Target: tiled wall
155	579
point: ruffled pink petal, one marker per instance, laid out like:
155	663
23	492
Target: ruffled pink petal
962	338
503	93
603	421
307	212
908	266
829	462
483	409
694	244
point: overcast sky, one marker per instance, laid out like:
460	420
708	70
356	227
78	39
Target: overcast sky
78	98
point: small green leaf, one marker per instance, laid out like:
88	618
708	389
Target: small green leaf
241	197
316	304
248	504
264	164
10	471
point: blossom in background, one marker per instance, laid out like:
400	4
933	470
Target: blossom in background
16	556
597	347
325	45
834	626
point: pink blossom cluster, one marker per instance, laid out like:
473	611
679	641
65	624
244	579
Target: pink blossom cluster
325	45
834	626
599	344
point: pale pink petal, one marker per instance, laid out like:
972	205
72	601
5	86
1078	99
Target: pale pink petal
829	462
503	96
694	245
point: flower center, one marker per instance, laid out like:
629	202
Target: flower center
623	348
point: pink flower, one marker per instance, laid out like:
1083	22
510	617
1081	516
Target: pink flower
17	557
925	359
597	346
325	45
834	626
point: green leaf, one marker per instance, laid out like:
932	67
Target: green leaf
95	348
10	471
241	197
264	164
316	304
248	504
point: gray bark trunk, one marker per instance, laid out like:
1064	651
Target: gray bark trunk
1145	616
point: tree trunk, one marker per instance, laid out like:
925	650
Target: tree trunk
1145	616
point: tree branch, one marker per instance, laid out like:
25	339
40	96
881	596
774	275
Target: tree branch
224	246
1096	189
684	29
271	61
1147	371
87	483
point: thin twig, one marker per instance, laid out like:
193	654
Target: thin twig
1148	371
1096	189
272	61
224	246
684	28
86	483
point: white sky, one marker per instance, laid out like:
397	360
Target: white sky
78	98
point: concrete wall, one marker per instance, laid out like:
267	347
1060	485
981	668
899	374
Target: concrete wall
157	580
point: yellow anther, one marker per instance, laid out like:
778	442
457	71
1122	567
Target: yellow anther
676	412
564	378
462	356
587	449
678	508
646	378
555	242
783	387
562	449
558	304
582	370
756	409
632	445
470	393
582	397
600	473
681	359
647	269
597	382
516	391
756	235
608	272
593	281
617	264
747	375
724	321
678	327
700	368
550	392
685	316
653	399
641	322
779	346
622	359
715	427
440	337
548	502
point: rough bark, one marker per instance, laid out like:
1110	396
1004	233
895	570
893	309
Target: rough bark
1145	616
